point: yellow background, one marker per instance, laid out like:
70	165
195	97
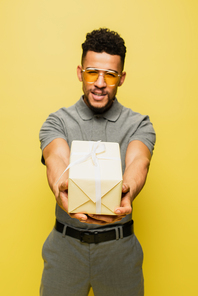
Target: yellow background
40	47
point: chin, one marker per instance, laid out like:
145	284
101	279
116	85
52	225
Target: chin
98	108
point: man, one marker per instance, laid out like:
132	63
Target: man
98	251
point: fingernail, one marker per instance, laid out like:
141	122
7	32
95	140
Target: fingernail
83	218
118	212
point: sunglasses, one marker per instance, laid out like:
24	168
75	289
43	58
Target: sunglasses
91	75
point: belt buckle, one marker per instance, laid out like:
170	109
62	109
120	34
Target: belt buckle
87	234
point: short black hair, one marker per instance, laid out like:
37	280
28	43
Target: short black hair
104	40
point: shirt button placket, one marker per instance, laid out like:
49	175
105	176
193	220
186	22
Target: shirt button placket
98	128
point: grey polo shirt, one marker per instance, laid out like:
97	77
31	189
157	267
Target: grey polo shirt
118	124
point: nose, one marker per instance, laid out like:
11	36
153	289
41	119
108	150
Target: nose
100	82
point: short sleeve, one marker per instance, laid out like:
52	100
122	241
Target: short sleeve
52	128
145	133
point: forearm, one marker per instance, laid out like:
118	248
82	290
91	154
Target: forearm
137	163
55	166
56	156
135	175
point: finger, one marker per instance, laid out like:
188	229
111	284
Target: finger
125	188
80	217
62	201
104	218
123	210
101	217
126	201
91	220
63	186
94	221
125	207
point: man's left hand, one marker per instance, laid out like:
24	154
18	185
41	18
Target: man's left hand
124	209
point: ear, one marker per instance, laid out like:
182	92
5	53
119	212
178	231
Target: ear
122	78
79	73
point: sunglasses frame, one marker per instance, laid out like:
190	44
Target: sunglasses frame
104	70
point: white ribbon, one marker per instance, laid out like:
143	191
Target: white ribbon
95	148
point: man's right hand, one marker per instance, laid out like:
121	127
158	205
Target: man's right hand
61	195
56	155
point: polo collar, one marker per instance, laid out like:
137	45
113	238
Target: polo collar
87	114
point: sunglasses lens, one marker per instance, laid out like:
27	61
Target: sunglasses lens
111	78
91	75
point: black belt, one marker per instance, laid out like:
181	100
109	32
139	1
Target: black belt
90	237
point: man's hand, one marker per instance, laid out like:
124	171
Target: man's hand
61	194
124	209
137	164
126	201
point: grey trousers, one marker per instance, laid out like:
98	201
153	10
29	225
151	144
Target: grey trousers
112	268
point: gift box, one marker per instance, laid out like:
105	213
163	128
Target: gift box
95	177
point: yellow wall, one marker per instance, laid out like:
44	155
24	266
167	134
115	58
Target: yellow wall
40	49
